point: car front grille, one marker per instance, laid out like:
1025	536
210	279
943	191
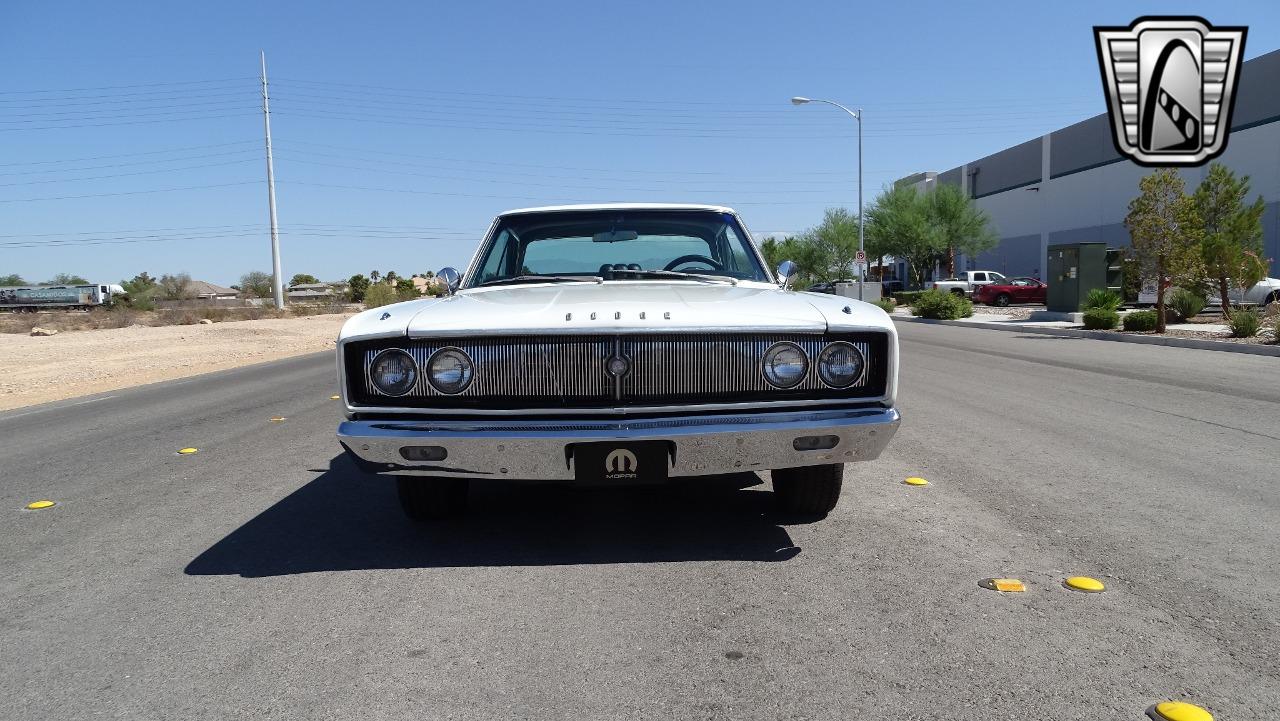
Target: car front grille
572	371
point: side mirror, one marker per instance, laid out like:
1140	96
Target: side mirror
786	271
451	278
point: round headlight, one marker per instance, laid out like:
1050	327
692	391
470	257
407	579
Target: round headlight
393	372
840	365
784	365
449	371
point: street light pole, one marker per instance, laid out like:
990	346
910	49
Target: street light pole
856	115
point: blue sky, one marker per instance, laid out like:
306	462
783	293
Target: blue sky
131	139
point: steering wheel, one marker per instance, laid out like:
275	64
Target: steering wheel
693	259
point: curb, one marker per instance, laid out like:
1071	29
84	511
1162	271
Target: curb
1264	350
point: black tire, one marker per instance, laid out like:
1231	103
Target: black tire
431	499
957	291
1001	300
811	490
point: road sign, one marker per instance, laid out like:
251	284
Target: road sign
861	257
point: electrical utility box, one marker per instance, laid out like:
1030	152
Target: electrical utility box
1074	270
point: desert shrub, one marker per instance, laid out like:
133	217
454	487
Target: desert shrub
1244	323
941	305
380	294
886	304
1186	303
1273	327
1101	318
1140	321
1103	298
907	297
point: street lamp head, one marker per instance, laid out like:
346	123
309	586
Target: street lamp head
797	100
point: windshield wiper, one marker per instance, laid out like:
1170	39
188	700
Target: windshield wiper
544	279
679	274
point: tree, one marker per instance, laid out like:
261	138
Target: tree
357	285
66	279
959	222
775	251
141	290
405	289
1231	240
176	287
12	279
898	222
257	284
1164	228
828	251
379	294
303	279
374	276
391	277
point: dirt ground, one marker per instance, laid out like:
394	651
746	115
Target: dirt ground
66	365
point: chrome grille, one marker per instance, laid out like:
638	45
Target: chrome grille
572	369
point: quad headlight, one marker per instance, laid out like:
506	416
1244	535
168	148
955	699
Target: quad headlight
393	372
450	371
840	365
784	365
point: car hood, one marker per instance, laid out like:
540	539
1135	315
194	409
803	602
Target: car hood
611	307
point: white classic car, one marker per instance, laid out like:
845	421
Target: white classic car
629	343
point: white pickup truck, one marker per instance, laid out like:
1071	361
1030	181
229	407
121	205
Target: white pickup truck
968	281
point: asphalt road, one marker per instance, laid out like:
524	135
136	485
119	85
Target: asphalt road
264	578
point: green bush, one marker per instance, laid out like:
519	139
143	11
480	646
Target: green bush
886	304
1187	304
1103	298
380	294
1244	323
907	297
1140	321
1101	318
941	305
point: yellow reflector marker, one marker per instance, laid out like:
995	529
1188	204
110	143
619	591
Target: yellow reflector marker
333	398
1178	711
277	419
1003	585
37	505
1084	583
916	481
188	451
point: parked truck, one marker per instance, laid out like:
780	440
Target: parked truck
968	281
29	299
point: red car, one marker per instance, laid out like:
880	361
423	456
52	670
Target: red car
1014	290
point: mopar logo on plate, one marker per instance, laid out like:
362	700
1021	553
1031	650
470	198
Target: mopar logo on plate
620	464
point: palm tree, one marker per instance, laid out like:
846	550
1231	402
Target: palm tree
374	275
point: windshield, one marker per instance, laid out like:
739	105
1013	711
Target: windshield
612	245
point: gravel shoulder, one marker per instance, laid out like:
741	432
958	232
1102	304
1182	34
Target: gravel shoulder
44	369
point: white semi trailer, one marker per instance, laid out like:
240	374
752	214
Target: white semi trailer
29	299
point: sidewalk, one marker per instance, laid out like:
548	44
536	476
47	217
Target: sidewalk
1065	328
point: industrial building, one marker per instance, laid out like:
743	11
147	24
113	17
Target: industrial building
1072	186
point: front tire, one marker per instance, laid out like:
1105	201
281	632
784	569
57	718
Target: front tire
957	291
1001	301
811	490
432	499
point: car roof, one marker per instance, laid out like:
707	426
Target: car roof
618	206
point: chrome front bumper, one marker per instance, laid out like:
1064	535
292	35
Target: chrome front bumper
541	449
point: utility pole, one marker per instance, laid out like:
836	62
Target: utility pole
277	288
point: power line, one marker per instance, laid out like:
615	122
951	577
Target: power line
127	192
130	154
129	165
125	87
512	197
241	161
134	122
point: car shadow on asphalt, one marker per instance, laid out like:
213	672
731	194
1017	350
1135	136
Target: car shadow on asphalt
344	520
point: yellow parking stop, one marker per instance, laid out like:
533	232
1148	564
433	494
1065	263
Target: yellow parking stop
37	505
1178	711
1084	583
188	451
916	481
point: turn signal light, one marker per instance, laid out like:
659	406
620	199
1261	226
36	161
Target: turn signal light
815	443
424	453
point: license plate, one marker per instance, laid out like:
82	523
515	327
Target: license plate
641	461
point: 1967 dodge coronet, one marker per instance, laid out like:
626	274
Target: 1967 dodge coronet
629	343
